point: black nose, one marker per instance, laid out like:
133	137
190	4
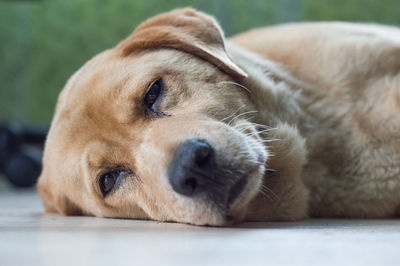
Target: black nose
192	167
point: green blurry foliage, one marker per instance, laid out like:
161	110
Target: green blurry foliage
43	42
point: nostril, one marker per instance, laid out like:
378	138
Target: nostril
189	186
202	154
192	167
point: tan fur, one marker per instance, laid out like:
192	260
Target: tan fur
310	112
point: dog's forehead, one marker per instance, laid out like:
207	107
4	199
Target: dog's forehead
110	81
101	77
98	102
83	113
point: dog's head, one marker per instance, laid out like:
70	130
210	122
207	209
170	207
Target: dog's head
156	128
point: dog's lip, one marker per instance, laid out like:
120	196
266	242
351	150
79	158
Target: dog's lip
236	189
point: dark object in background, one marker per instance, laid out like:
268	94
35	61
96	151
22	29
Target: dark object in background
21	149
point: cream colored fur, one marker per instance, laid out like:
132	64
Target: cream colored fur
349	115
310	113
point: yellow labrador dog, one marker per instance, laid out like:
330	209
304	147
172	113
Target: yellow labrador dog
176	123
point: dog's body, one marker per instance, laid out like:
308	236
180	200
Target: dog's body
304	120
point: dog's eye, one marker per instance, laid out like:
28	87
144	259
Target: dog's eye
153	94
109	180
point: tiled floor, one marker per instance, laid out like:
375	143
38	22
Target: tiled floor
28	237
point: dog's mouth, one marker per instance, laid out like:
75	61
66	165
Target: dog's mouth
235	190
216	179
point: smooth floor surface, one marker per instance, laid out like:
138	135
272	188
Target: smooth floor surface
29	237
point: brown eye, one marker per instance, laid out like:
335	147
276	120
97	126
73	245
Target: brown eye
153	94
109	180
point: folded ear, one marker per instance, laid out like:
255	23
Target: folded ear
187	30
59	203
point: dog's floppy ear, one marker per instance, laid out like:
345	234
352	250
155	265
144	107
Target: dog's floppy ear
187	30
59	203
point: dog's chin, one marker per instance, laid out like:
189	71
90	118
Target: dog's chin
238	199
237	209
241	171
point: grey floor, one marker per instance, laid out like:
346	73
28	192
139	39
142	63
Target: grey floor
29	237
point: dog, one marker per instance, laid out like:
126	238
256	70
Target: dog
178	124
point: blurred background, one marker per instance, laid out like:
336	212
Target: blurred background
42	42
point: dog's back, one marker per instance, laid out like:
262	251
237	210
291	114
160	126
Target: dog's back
354	160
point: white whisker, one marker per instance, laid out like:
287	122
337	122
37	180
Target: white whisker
269	140
229	116
266	191
237	84
245	113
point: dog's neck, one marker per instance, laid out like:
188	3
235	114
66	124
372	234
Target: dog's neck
277	97
275	93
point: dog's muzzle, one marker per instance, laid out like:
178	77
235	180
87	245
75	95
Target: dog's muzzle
194	171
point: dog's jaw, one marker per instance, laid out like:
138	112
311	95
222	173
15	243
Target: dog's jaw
238	208
241	157
256	157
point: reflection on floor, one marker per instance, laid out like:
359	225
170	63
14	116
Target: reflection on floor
29	237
